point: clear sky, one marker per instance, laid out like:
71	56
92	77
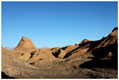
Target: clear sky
57	24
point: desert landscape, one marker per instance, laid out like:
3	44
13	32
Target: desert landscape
86	60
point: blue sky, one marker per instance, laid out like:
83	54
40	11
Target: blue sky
57	24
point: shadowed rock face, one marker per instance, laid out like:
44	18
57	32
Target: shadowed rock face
62	52
105	53
89	59
41	54
4	76
25	44
54	50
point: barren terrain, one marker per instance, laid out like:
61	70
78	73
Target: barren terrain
88	59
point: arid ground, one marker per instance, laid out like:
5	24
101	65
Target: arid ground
88	59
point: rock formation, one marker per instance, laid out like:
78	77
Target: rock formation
88	59
84	41
41	54
25	44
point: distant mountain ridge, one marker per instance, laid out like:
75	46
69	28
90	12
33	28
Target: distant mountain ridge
9	48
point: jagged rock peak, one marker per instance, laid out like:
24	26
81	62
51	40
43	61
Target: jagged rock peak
25	43
114	32
116	28
85	40
24	38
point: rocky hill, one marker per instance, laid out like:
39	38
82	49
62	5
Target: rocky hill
88	59
25	44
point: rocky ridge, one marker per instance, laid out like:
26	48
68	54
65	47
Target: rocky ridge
83	57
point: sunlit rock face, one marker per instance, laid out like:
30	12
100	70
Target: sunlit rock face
88	59
25	44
